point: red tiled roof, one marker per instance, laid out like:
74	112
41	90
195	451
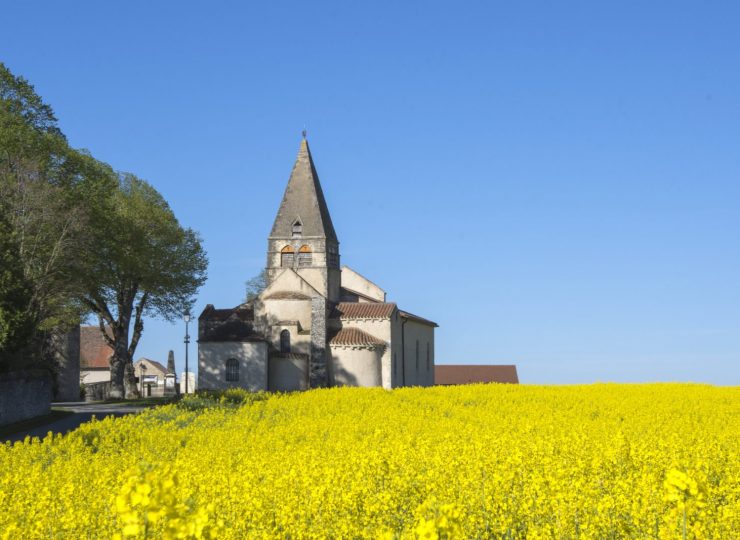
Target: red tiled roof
354	336
363	310
94	351
468	374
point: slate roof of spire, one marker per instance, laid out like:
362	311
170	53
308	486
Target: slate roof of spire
303	200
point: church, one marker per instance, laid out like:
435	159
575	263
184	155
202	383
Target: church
317	323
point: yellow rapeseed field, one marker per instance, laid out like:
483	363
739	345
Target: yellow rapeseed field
482	461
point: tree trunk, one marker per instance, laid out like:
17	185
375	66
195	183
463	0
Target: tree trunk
117	367
119	360
129	381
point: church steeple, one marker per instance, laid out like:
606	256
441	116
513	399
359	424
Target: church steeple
303	236
303	202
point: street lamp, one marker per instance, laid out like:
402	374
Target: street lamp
186	317
142	374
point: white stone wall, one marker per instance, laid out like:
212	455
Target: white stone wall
421	373
358	283
323	278
90	376
252	357
288	374
381	329
192	383
355	366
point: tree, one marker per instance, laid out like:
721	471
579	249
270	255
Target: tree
145	263
16	322
256	285
44	187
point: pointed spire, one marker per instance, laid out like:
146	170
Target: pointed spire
304	201
171	363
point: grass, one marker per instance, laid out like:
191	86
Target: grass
26	425
142	402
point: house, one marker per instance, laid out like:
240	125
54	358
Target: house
448	374
150	376
317	323
94	356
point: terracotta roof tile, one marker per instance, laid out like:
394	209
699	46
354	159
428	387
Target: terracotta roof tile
469	374
355	336
94	351
363	310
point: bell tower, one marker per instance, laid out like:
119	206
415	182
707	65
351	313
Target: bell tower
303	237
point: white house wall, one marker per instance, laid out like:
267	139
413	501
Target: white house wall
252	357
288	374
358	283
381	329
411	375
90	376
355	366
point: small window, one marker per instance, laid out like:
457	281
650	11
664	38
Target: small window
286	256
285	341
304	256
232	370
417	355
297	229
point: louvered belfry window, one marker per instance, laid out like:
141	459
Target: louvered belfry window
286	256
304	256
297	229
232	370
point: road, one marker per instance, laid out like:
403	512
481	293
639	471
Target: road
82	412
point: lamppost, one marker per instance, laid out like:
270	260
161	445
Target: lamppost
142	374
186	317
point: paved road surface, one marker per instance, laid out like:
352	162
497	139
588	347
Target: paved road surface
83	412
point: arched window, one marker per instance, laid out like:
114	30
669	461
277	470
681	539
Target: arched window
297	229
285	341
286	256
232	370
304	256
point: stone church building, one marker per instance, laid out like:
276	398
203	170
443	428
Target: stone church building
317	323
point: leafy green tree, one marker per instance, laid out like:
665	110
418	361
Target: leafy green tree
44	187
145	263
16	322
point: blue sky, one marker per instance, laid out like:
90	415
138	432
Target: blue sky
556	184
